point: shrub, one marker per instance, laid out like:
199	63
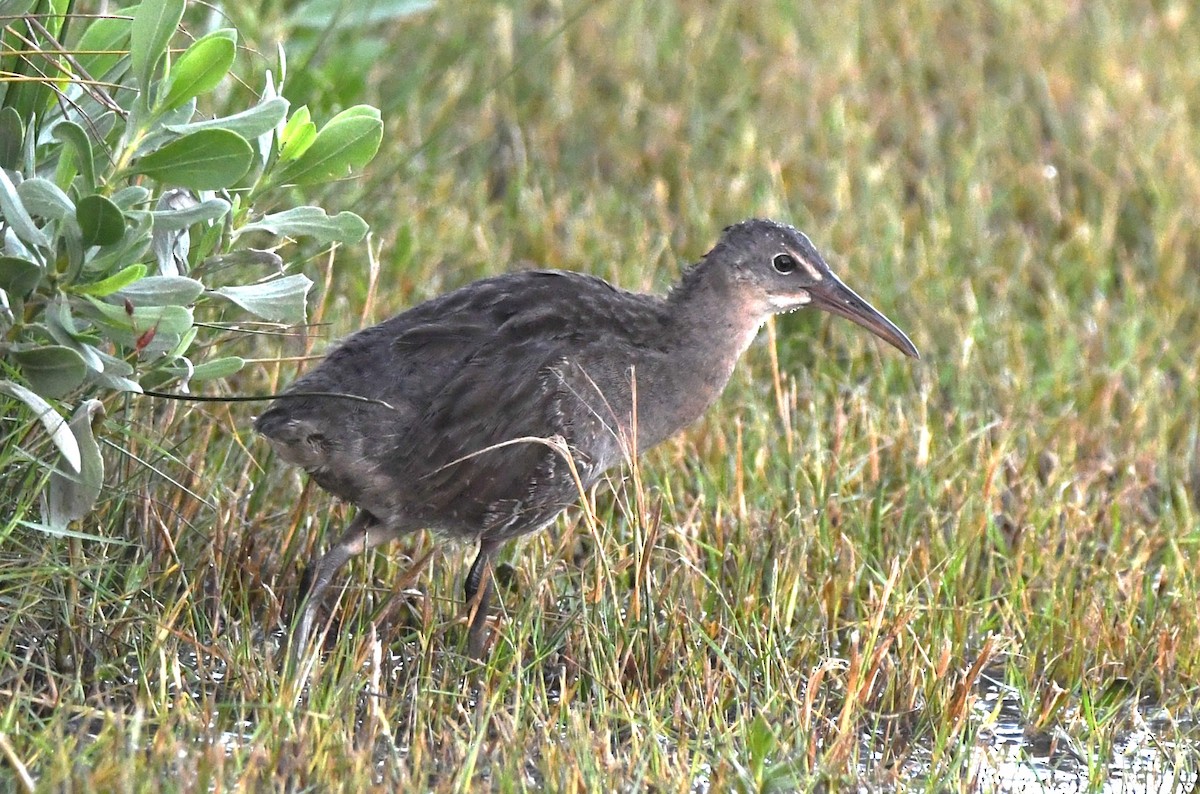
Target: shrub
124	213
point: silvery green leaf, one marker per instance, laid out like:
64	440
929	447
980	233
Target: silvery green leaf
265	142
161	135
282	300
17	217
28	156
114	365
45	199
162	291
19	276
14	247
71	497
171	243
218	368
62	329
86	352
52	370
251	257
131	248
171	220
130	197
60	432
345	227
116	375
250	123
115	382
171	251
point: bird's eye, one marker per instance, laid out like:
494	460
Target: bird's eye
784	263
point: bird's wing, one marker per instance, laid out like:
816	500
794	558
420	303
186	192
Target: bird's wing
479	367
493	443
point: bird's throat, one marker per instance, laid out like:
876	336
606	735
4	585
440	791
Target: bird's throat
703	352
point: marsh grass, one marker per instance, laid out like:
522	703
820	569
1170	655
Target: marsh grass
810	588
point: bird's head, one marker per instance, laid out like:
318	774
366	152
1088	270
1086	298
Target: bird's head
779	270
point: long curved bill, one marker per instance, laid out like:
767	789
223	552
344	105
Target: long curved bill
831	295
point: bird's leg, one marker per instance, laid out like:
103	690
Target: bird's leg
479	586
365	532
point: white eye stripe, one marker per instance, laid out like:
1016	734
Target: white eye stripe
809	268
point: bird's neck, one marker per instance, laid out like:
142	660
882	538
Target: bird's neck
713	321
709	329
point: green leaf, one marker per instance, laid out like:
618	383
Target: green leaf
30	98
298	134
12	134
101	45
218	368
17	218
163	291
249	123
132	248
19	276
168	319
149	328
74	136
201	67
116	281
760	745
52	371
345	227
281	300
154	23
60	432
348	141
101	221
181	347
204	160
70	498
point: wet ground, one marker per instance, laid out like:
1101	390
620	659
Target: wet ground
1154	752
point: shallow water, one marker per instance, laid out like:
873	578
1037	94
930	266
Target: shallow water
1147	758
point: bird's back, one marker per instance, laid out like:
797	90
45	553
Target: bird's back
527	355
